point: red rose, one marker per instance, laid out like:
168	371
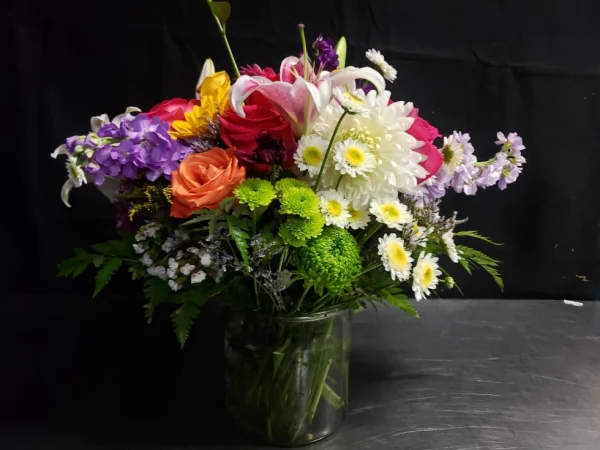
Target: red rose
173	109
421	130
260	119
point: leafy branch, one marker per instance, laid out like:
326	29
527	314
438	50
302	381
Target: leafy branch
472	259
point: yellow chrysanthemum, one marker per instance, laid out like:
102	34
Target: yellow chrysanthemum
214	97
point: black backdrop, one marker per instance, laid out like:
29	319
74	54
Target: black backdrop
478	66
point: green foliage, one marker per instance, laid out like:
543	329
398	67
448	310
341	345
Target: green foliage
156	291
474	234
394	296
105	273
205	215
238	228
472	259
221	10
182	319
75	266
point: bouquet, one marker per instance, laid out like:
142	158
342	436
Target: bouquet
292	193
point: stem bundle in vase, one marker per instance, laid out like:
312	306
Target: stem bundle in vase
293	197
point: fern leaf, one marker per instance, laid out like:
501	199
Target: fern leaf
474	258
76	265
105	273
156	291
475	234
238	230
182	319
400	301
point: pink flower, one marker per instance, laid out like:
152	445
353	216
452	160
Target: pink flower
255	70
423	131
298	100
173	109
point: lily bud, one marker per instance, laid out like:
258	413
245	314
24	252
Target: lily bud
341	48
207	70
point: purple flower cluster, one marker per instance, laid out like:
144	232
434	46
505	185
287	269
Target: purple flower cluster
137	145
269	150
325	54
503	169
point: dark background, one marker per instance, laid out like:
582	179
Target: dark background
476	66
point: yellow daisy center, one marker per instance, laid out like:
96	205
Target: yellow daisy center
312	155
391	212
355	156
350	97
334	208
397	256
354	214
427	276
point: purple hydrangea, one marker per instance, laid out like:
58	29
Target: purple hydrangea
326	55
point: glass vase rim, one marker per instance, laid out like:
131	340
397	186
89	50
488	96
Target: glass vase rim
297	318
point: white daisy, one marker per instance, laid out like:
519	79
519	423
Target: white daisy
174	285
396	259
310	154
383	131
388	72
359	218
353	157
418	234
351	100
391	212
448	240
76	173
335	208
198	277
187	269
425	275
453	153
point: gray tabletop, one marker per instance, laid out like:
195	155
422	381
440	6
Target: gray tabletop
487	374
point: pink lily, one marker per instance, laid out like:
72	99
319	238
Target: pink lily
299	100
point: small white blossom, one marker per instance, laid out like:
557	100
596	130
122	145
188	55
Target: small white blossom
76	173
158	271
187	269
193	250
174	285
151	230
171	273
388	72
198	277
147	260
205	259
139	248
179	254
173	264
168	245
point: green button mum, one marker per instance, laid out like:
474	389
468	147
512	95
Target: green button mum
301	202
331	260
255	192
297	230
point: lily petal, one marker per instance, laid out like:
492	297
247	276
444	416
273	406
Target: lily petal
64	192
344	76
110	187
60	150
208	69
242	89
285	70
129	110
97	121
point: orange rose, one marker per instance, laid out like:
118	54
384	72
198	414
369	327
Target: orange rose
203	180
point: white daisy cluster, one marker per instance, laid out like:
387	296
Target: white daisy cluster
378	60
371	156
338	211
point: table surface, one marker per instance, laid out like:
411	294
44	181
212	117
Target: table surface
486	374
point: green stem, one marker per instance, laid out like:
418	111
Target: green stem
273	174
303	40
328	150
283	257
224	36
370	268
321	302
339	181
299	304
374	228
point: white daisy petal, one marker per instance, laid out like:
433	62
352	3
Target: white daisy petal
353	101
450	246
395	257
334	208
378	60
359	218
310	154
353	157
425	275
391	213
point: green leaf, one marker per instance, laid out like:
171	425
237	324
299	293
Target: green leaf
157	291
471	259
137	270
238	229
227	204
400	301
221	10
204	217
75	266
182	319
474	234
341	48
105	273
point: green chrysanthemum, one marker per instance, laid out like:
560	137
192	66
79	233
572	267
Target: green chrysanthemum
255	192
285	183
297	230
299	201
331	260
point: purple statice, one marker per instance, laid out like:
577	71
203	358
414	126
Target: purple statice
325	54
512	144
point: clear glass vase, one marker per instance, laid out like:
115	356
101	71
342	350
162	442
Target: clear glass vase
287	376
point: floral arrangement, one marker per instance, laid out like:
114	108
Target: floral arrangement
301	190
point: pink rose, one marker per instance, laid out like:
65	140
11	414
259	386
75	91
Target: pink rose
422	130
173	109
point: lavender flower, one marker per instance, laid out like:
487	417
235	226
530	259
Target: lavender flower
326	55
511	144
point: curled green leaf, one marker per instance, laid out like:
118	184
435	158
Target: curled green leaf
221	10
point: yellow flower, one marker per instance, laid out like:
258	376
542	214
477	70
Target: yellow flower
214	97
